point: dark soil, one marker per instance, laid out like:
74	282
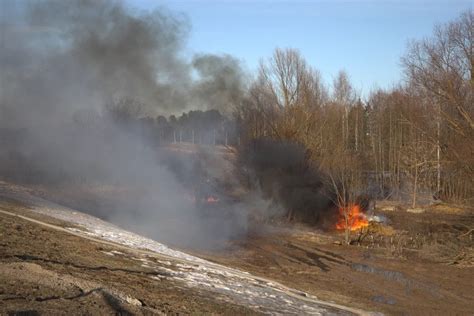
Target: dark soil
414	264
429	272
46	272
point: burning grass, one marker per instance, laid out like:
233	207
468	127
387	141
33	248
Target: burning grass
351	217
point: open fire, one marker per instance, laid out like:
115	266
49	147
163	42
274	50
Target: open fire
353	216
212	199
209	199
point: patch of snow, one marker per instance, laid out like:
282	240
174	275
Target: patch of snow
237	286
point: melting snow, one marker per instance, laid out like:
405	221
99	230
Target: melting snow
237	286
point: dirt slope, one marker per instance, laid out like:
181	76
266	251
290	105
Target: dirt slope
63	269
124	279
48	272
415	283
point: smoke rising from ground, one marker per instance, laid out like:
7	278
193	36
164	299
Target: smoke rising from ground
284	175
61	62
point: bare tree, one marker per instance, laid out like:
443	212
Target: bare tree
344	94
346	183
417	158
283	76
440	68
283	101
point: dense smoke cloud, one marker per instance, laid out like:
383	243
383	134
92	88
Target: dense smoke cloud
67	55
220	85
61	63
283	174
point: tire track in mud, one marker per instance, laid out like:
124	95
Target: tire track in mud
271	284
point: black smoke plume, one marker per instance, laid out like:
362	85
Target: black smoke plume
78	79
281	170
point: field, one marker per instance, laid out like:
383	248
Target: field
392	274
414	263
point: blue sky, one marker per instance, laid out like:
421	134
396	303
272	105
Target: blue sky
364	37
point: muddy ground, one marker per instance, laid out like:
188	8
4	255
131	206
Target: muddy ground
46	272
413	264
418	264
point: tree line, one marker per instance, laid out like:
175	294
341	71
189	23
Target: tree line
306	145
417	137
411	142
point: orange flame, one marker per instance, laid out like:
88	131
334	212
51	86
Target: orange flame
355	218
212	199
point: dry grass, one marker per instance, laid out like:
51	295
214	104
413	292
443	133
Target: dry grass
449	208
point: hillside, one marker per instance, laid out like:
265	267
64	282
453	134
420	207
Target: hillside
55	259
